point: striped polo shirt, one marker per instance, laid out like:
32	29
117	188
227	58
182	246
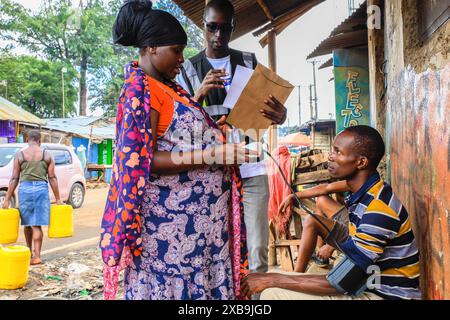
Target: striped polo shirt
380	234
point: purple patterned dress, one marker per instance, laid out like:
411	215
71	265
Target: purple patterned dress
185	227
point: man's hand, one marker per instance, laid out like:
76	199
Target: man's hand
325	252
277	113
287	203
257	282
59	202
212	80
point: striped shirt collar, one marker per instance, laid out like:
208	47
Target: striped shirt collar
355	197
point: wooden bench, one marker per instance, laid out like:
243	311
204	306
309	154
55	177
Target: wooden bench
100	168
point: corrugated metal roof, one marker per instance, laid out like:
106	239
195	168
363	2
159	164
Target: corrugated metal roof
352	32
11	111
326	64
80	120
82	127
249	14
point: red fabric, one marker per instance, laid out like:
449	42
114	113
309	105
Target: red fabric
277	187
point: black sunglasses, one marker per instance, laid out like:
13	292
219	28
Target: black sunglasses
213	27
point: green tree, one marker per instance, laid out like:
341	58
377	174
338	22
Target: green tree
73	36
106	90
80	37
36	85
195	35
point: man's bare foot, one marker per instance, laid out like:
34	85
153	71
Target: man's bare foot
35	261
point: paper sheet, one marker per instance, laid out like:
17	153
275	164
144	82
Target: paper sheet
241	77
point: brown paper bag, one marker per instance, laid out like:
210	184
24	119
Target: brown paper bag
245	115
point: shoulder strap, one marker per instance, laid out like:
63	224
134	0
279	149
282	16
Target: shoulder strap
248	59
186	78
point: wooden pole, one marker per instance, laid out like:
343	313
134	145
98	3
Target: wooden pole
272	144
272	66
266	10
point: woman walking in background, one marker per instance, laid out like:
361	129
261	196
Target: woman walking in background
35	168
177	227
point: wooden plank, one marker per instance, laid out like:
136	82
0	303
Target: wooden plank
286	261
272	250
287	243
266	10
315	176
304	163
298	227
318	159
310	204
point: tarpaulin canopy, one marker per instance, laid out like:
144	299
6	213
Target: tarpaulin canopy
295	139
11	111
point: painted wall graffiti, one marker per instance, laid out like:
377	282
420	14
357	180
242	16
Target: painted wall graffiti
419	125
351	79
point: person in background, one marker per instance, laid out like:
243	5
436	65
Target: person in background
81	153
36	169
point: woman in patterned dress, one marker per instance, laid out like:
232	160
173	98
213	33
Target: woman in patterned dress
173	217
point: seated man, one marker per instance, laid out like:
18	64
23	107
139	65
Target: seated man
378	236
325	207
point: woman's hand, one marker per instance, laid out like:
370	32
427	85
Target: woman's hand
212	80
278	111
287	203
222	125
231	154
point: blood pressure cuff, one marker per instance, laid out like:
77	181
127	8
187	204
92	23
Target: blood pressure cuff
347	278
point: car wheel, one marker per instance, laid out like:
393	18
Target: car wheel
76	196
12	202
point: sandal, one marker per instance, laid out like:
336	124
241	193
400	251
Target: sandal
35	261
319	261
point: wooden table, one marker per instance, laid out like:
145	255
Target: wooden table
100	168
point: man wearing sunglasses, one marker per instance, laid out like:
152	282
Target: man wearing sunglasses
207	76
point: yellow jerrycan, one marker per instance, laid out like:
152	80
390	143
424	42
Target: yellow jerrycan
61	221
14	264
9	225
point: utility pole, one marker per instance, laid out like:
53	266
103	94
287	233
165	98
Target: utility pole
63	70
311	102
299	107
315	88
